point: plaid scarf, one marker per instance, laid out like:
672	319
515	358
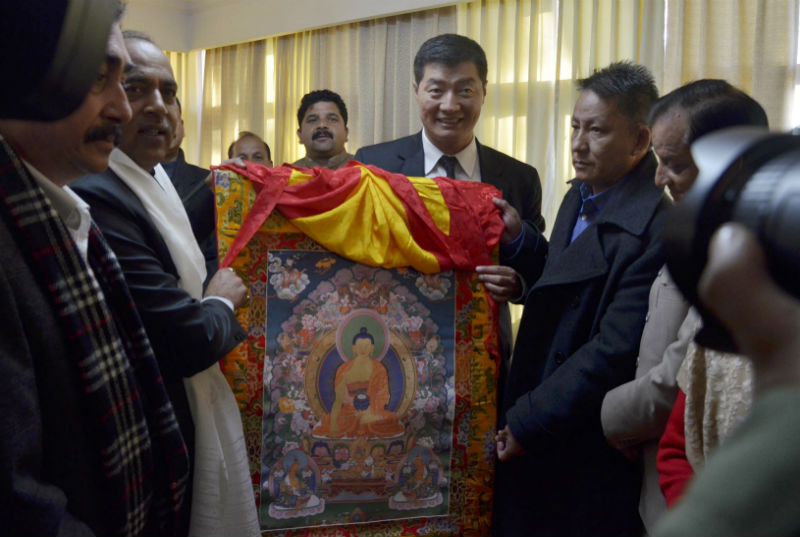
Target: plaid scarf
139	444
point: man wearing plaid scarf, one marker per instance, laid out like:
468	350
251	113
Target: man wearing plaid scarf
89	443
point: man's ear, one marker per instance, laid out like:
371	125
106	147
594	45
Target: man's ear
642	140
415	87
299	140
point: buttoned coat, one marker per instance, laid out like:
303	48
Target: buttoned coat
578	338
52	479
635	413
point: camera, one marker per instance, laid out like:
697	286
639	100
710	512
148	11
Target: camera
749	176
51	52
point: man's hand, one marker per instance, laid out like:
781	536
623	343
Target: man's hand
227	284
763	319
236	161
507	445
511	220
502	283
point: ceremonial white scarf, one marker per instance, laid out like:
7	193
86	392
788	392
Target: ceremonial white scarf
223	503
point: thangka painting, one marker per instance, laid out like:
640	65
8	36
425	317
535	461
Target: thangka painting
367	394
359	391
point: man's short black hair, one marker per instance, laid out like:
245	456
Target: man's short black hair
711	104
248	134
450	50
323	95
629	84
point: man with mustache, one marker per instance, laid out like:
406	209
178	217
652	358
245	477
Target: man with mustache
322	117
90	442
144	221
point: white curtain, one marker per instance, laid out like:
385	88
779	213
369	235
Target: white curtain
536	50
368	63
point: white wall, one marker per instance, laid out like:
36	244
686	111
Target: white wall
183	25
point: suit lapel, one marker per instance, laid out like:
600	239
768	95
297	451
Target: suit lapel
580	260
631	210
413	157
491	168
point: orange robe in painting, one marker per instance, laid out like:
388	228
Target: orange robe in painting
350	419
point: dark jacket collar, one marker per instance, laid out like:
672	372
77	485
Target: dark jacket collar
634	204
413	155
632	209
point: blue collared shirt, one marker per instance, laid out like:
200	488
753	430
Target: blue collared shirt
591	207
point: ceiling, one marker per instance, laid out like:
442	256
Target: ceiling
184	25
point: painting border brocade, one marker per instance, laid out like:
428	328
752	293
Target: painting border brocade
473	408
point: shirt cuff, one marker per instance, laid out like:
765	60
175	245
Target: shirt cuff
221	299
510	250
522	292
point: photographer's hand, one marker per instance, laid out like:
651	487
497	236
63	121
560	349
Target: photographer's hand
763	318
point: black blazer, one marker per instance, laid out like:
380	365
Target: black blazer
197	199
578	338
52	480
518	181
187	335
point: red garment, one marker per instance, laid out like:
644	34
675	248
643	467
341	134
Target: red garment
475	225
674	469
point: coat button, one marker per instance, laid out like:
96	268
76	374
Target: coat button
560	358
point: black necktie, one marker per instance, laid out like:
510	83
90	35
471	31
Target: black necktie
449	164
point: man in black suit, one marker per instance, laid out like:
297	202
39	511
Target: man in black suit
582	322
190	182
450	87
190	331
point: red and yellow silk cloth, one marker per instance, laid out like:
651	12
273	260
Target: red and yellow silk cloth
378	218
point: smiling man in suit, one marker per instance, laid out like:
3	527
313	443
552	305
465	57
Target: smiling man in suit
450	87
191	329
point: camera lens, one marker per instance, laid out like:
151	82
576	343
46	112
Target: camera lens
748	176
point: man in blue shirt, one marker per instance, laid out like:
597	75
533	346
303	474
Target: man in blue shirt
583	318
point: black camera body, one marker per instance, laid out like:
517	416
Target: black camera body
50	53
749	176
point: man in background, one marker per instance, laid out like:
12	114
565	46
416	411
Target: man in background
634	414
322	120
450	76
582	321
89	444
250	147
198	200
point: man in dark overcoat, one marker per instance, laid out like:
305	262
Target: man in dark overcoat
90	443
583	317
